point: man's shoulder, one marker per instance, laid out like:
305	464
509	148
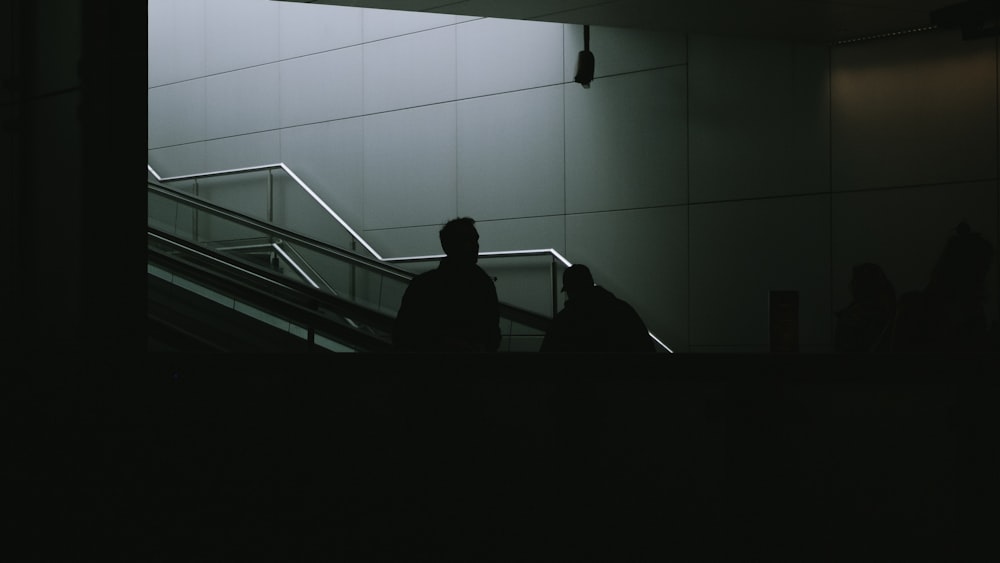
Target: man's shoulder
424	279
569	316
482	272
620	304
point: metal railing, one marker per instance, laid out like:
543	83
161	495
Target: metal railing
555	257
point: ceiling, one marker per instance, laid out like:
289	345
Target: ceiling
812	21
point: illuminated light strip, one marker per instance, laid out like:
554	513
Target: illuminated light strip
504	253
660	342
301	184
277	249
216	260
241	247
885	35
333	214
551	251
288	258
343	223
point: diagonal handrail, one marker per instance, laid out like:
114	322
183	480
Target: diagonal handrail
354	234
355	259
357	237
350	257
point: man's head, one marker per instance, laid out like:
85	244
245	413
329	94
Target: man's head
460	239
576	279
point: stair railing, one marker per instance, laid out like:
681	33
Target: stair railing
556	257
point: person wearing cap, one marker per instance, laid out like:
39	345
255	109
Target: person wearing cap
454	307
594	320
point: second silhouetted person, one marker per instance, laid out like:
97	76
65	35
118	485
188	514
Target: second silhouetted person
594	320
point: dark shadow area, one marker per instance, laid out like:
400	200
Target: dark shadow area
398	457
949	314
864	325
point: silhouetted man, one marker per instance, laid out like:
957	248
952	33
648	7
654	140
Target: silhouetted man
454	307
594	320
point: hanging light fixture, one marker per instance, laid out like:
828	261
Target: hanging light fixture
585	61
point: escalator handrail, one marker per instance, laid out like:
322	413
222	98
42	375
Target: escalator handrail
273	230
382	261
523	316
291	300
357	237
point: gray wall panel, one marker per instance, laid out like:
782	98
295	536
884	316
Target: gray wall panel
410	176
321	87
626	141
917	110
178	160
302	33
243	101
176	114
759	119
240	34
742	250
503	55
510	154
383	24
175	40
411	70
243	151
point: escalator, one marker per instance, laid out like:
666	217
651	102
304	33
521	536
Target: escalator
199	300
223	281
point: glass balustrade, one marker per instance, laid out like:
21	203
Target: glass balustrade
342	273
270	217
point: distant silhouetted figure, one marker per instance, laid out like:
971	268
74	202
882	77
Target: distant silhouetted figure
949	314
454	307
594	320
863	326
